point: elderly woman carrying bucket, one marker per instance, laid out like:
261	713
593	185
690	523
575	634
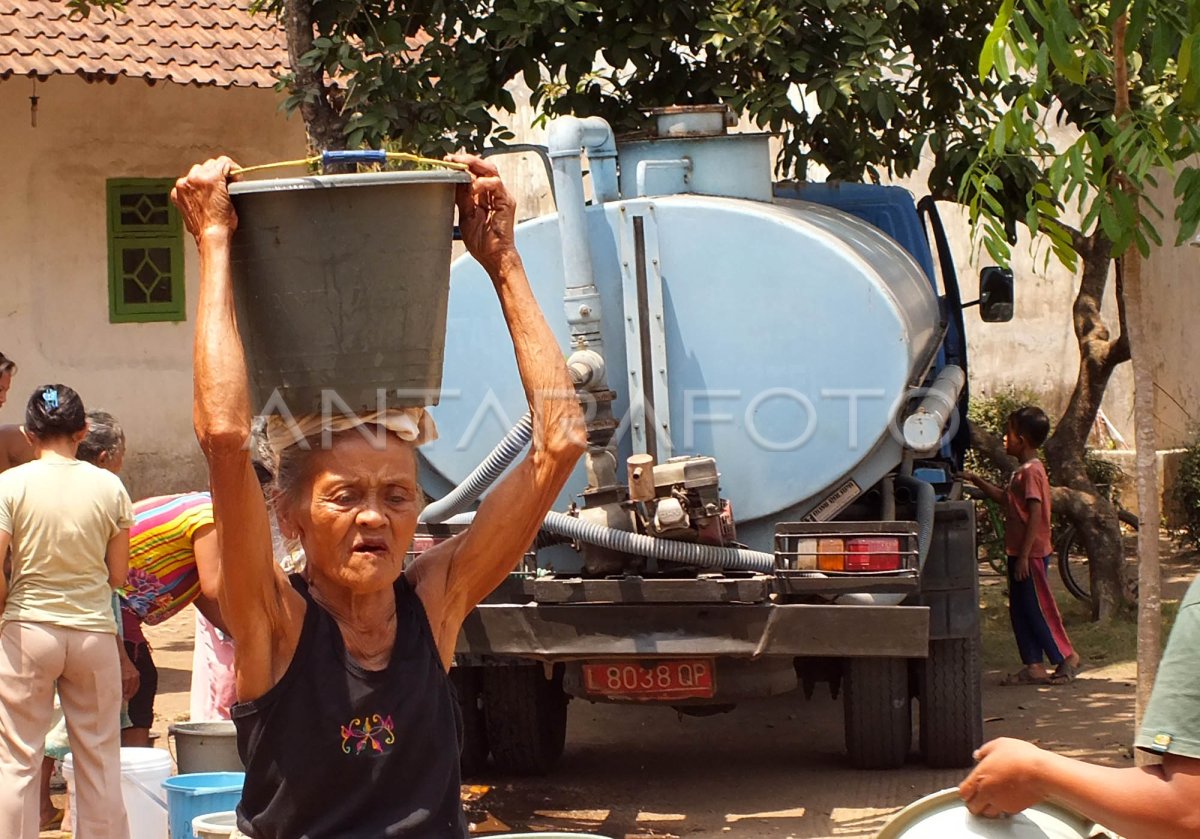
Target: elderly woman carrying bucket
346	720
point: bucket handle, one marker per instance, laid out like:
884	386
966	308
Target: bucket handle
151	794
353	156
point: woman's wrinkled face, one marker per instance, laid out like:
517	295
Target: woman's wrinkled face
358	514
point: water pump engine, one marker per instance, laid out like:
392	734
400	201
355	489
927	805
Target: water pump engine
680	499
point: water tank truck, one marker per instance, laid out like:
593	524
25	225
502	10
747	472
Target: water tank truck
774	377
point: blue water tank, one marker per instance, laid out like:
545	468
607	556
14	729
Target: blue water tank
790	334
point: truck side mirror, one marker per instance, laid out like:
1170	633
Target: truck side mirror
995	294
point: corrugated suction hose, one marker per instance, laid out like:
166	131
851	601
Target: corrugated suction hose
560	524
461	497
686	553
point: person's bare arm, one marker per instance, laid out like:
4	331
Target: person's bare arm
131	679
258	604
116	557
454	577
208	568
1146	802
15	447
993	492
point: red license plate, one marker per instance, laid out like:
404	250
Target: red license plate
683	678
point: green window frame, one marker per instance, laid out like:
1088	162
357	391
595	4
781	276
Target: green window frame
145	252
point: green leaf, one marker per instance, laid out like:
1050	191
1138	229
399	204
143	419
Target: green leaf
987	55
886	106
1184	67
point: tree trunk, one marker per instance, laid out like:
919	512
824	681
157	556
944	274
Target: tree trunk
1149	637
1149	634
325	124
1099	355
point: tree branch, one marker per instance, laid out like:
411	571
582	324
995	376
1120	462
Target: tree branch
1118	348
992	447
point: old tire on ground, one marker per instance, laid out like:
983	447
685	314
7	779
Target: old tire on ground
467	683
525	716
951	703
878	719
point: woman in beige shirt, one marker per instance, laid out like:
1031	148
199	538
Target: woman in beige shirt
67	523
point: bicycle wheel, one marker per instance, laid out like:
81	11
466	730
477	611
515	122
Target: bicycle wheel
1073	566
1073	562
989	535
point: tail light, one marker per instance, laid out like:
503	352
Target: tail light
872	554
855	554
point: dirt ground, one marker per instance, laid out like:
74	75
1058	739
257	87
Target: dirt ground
772	768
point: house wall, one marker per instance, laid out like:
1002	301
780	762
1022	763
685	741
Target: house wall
54	311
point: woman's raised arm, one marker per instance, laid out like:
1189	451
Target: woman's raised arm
455	576
259	606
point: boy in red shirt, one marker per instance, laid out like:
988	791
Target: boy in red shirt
1036	622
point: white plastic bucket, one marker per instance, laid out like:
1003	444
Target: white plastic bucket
142	774
215	825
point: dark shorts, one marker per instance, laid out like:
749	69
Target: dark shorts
141	706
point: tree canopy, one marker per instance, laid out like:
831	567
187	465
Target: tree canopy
858	87
1055	63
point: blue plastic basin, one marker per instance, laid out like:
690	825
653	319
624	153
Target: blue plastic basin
199	794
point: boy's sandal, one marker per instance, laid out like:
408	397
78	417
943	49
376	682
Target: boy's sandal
1024	677
1065	673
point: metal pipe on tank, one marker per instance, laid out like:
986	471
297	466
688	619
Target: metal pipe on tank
644	167
566	140
923	427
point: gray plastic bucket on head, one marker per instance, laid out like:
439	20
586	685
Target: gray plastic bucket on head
340	286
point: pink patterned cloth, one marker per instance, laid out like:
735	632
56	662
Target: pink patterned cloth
214	690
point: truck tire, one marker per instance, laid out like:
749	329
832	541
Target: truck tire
878	710
467	683
951	702
525	716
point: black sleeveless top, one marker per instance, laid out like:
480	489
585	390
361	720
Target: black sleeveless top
334	751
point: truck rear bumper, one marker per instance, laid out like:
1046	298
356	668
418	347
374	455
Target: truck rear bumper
567	632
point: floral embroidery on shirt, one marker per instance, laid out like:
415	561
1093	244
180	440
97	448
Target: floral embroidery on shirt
374	731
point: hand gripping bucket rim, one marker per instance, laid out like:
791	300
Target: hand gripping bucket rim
142	770
944	813
199	794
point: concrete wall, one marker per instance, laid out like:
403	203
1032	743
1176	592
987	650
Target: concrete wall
1171	283
54	292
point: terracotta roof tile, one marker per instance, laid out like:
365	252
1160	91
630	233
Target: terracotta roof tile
207	42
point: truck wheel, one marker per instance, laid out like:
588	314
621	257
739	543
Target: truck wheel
878	712
951	703
525	715
467	684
